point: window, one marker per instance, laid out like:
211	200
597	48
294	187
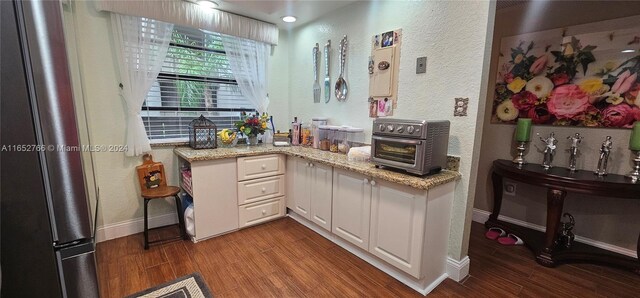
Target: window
195	79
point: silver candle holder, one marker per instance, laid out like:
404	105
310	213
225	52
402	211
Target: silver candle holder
519	159
635	173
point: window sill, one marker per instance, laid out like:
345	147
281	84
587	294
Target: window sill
169	143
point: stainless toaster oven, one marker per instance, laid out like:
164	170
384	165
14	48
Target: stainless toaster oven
416	146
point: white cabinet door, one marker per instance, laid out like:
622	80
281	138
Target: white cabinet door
321	192
301	192
397	225
215	197
351	207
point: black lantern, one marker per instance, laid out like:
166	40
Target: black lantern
202	133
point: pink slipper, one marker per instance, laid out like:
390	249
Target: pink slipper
510	239
495	233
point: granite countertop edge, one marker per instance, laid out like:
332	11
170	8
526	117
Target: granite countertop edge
327	158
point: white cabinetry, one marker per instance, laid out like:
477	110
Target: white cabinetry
310	193
392	221
397	225
351	207
215	197
260	189
321	194
298	182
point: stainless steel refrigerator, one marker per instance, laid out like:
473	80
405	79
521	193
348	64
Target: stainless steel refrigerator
47	245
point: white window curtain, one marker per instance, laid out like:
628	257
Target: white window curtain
248	61
190	14
143	48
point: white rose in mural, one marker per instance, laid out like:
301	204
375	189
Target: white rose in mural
506	111
540	86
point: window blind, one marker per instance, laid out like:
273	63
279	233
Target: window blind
195	80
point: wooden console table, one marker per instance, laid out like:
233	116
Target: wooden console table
558	182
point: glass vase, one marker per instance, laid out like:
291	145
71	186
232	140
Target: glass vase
253	140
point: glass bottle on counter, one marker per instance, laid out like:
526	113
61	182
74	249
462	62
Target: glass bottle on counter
295	135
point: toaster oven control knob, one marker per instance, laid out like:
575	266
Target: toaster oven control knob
381	127
410	129
400	129
390	128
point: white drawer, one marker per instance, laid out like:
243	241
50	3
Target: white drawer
255	213
252	167
260	189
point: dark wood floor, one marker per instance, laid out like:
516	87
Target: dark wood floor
285	259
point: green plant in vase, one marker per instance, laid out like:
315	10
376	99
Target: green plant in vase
252	126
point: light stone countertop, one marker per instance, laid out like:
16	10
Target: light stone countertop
328	158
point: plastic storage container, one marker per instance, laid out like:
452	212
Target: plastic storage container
355	137
334	138
306	137
343	145
316	122
323	136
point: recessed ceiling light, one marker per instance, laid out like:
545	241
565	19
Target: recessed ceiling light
207	3
289	19
628	51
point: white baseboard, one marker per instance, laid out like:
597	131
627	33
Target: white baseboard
458	270
402	277
482	216
133	226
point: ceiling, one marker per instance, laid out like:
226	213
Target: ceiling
273	11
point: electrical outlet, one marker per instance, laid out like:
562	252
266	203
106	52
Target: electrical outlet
421	65
510	189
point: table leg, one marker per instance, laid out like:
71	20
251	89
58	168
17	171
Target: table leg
638	256
497	195
555	201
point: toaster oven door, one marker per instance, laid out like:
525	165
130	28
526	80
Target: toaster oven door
398	152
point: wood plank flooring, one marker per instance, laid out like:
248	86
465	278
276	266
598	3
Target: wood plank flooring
285	259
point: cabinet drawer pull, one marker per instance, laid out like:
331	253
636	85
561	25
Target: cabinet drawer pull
366	180
373	182
264	212
311	165
264	189
264	167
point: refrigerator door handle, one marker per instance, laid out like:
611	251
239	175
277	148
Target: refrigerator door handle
55	115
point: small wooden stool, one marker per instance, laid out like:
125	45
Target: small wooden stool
153	185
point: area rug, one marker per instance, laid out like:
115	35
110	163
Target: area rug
188	286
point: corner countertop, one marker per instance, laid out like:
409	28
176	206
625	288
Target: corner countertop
328	158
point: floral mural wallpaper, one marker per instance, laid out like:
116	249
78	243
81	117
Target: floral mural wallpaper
589	80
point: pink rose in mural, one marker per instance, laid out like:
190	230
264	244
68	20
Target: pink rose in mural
508	78
617	115
560	79
539	65
624	82
539	114
524	100
567	101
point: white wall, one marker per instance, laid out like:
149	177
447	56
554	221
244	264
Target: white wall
613	221
115	173
278	83
453	36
